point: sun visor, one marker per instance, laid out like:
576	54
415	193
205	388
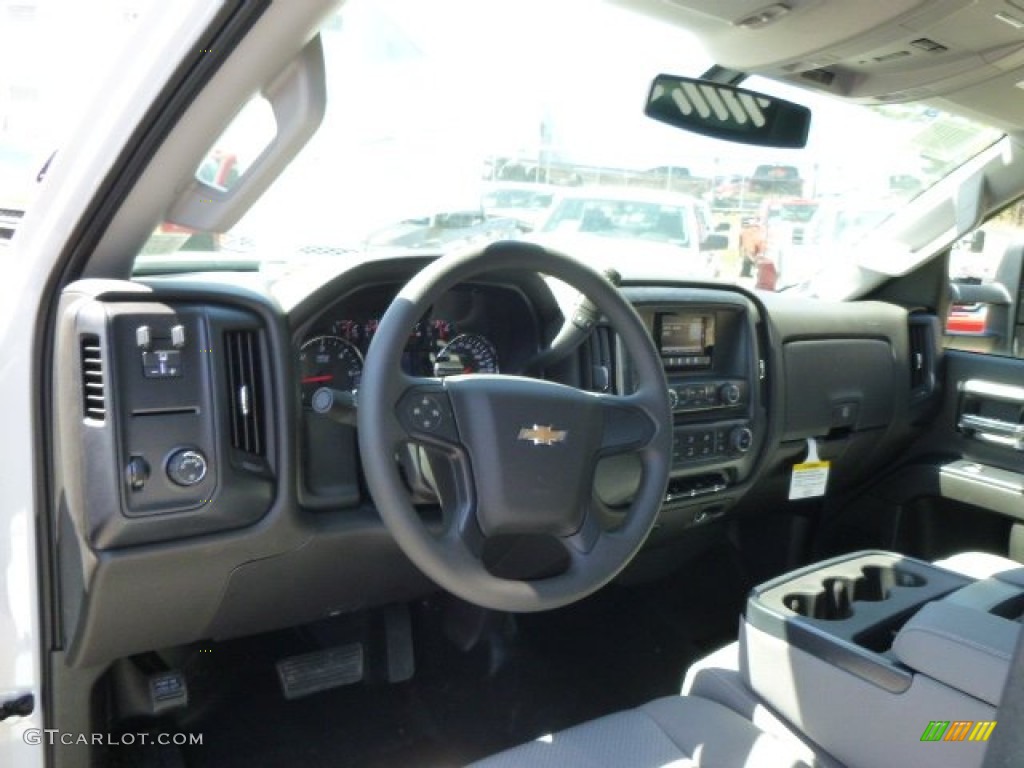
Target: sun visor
219	194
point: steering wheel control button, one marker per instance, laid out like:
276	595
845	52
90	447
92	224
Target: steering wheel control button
427	413
187	467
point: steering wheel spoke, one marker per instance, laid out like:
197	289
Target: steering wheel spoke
461	528
424	415
582	542
628	425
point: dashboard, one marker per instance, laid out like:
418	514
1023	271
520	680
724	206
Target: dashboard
203	472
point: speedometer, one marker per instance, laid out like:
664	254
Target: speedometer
466	353
328	361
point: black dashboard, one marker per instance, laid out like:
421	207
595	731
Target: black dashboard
204	474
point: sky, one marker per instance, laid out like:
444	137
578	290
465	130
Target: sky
51	51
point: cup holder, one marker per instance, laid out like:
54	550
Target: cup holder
833	602
878	580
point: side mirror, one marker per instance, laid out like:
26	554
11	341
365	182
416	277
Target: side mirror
727	112
715	243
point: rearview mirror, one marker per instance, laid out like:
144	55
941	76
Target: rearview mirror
727	112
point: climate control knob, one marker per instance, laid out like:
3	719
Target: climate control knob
741	439
673	398
729	394
186	467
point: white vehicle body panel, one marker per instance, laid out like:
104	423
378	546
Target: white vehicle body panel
28	263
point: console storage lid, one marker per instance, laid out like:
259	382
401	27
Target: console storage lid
964	648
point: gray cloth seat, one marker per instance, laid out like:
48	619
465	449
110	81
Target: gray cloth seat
984	565
671	732
718	676
718	721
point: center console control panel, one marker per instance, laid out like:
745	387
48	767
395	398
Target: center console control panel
722	439
686	396
707	342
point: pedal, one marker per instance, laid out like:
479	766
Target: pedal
401	662
320	670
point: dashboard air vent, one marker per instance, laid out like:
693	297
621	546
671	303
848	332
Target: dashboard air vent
598	363
245	393
93	397
922	355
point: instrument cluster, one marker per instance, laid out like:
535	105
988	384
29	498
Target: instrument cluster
334	356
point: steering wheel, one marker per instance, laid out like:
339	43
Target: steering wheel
523	451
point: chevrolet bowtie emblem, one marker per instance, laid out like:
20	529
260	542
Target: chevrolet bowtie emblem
539	435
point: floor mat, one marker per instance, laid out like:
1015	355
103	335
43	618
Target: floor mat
530	674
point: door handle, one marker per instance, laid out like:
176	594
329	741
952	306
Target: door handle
994	429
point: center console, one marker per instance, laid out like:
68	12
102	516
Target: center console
709	353
874	656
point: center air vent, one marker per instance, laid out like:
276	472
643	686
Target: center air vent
93	399
245	393
922	355
597	361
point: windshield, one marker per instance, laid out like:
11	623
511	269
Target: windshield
42	97
454	122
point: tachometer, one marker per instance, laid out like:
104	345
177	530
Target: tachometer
466	353
329	361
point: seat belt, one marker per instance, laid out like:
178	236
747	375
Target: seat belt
1006	747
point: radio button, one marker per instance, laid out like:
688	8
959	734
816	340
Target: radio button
729	394
741	439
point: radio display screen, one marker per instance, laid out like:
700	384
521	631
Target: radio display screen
685	340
